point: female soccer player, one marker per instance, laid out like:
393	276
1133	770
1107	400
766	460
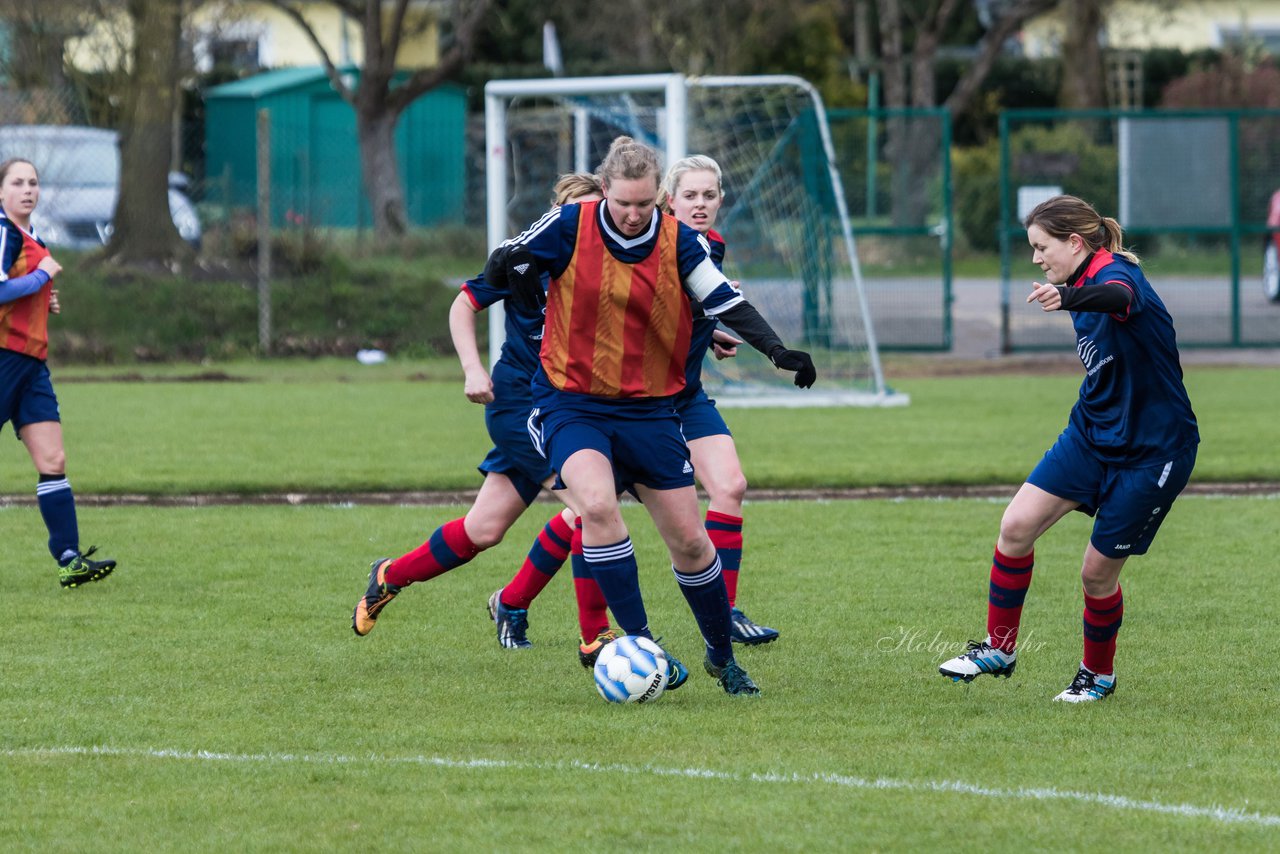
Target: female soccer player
617	336
1127	450
27	297
514	472
692	192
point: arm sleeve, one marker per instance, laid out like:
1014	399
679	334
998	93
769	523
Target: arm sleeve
13	289
1109	297
743	319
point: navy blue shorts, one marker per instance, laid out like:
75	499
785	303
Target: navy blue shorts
26	392
699	417
644	444
514	454
1128	504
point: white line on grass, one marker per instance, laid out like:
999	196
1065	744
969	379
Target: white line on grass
1223	815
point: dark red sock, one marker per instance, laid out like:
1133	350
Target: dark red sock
1102	618
1010	578
725	532
448	547
549	552
593	610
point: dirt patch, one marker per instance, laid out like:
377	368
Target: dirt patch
430	499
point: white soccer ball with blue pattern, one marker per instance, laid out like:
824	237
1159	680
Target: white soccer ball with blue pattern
631	670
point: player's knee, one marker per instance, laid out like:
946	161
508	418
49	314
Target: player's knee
486	536
1017	529
691	547
731	488
598	511
51	461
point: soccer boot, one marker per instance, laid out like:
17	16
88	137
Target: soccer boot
589	652
82	570
732	678
981	658
512	623
374	599
1088	686
743	630
677	673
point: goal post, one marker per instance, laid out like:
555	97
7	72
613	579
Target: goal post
784	218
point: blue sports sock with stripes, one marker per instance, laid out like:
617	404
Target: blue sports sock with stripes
709	601
615	570
58	507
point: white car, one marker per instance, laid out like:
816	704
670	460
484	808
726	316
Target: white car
79	170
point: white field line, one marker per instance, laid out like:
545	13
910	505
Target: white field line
1222	815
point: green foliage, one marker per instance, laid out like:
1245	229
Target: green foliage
975	174
322	303
217	667
1076	154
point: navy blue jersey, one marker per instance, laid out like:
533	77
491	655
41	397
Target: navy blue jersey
519	357
1133	408
703	327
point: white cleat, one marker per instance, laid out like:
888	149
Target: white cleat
981	658
1088	686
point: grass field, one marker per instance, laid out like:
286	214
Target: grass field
210	695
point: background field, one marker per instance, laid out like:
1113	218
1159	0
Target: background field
211	696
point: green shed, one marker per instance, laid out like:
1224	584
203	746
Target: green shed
315	158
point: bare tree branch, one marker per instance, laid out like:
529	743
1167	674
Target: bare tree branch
1009	22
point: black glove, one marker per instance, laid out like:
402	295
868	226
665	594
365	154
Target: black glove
514	268
798	361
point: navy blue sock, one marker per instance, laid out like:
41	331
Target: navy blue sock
709	600
615	570
58	507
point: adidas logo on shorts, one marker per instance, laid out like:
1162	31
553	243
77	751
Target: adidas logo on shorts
688	469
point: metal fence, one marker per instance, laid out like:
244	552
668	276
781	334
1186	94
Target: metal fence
1191	190
896	169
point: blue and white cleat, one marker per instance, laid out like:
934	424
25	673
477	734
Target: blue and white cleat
1088	686
743	630
981	658
512	623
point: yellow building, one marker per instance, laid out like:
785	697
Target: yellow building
251	35
1186	25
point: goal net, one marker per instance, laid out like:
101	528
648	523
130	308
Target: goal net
784	219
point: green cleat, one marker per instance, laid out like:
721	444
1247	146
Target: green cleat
732	678
81	570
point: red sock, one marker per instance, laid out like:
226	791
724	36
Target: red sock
725	532
1102	618
448	547
549	552
593	610
1010	578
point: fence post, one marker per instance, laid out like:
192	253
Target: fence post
264	232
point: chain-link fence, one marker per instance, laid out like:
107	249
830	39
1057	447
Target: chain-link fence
1191	190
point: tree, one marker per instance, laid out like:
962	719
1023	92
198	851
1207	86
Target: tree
35	35
144	233
1084	75
378	97
909	81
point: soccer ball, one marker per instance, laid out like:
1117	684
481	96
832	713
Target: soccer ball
631	670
